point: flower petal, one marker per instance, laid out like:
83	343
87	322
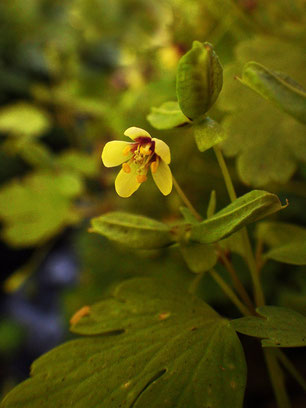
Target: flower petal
162	150
163	178
134	132
112	154
126	183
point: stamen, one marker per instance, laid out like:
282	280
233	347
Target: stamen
141	178
126	168
126	150
154	165
145	150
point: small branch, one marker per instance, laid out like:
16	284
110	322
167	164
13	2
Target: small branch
230	293
186	200
290	368
236	281
277	379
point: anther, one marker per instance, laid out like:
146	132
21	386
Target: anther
141	178
126	168
154	166
126	150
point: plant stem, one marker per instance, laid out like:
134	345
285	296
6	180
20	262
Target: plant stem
258	293
186	200
236	281
230	293
277	379
290	368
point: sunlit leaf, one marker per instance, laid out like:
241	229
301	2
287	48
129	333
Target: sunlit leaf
167	116
38	207
278	327
23	119
148	348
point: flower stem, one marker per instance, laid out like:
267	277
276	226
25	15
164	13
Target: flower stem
186	200
258	293
290	368
277	378
230	293
236	281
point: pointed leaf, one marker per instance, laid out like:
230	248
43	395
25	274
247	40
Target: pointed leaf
212	204
188	216
279	327
208	133
167	116
134	231
246	209
199	80
144	347
280	89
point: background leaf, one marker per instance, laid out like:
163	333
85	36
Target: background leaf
287	242
166	353
167	116
280	327
268	144
277	88
134	231
199	257
246	209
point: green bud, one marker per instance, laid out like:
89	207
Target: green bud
199	80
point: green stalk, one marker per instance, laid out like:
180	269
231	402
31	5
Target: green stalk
277	379
290	368
186	200
230	293
258	293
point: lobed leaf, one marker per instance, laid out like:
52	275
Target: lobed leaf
279	327
167	116
143	347
249	208
134	231
199	80
278	88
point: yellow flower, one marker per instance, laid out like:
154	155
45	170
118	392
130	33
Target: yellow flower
136	157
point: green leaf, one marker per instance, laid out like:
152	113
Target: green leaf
167	116
199	80
208	133
23	119
151	345
199	257
38	207
246	209
278	88
268	144
279	327
79	162
287	242
212	204
134	231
